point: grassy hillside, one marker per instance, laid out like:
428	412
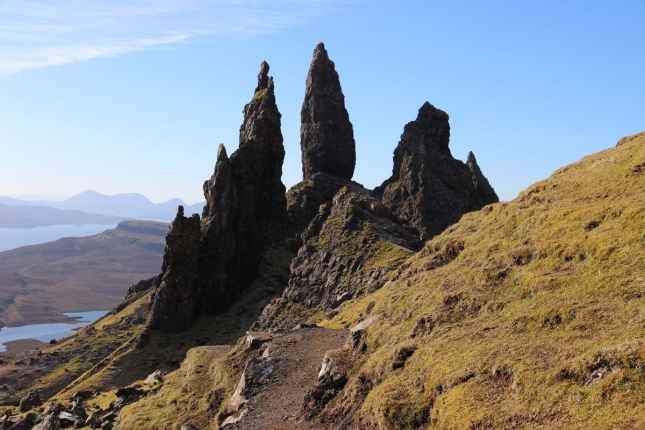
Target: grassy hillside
524	315
39	282
528	314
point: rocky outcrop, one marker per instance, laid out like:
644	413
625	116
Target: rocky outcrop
304	199
326	135
429	189
209	263
175	306
349	248
31	400
484	192
245	211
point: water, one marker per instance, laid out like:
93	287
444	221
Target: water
11	238
47	332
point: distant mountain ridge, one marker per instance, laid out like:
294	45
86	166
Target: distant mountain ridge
15	216
122	206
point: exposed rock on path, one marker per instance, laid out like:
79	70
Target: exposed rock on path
277	397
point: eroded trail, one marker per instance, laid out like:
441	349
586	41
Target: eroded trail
294	361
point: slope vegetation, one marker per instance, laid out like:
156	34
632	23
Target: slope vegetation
528	314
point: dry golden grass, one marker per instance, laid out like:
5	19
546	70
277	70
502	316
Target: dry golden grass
537	310
193	393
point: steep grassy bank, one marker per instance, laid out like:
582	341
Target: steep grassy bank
528	314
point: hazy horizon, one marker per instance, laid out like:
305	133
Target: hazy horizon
62	197
136	96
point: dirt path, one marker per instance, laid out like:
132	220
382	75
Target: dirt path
297	355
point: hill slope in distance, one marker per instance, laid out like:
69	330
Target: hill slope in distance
40	282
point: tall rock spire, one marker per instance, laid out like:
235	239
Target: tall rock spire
245	201
208	265
326	134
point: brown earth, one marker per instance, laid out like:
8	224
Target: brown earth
297	356
40	282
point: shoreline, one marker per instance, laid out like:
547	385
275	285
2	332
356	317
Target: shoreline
15	347
34	336
58	318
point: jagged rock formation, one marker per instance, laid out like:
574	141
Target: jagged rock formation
175	305
326	135
209	264
429	189
484	192
239	261
326	142
349	249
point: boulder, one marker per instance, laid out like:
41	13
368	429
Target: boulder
332	378
30	401
255	340
17	422
154	378
50	420
68	419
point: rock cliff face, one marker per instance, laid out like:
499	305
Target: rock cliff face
304	199
175	304
349	248
429	189
326	135
210	263
246	206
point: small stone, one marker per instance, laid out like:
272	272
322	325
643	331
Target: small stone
30	401
255	340
154	378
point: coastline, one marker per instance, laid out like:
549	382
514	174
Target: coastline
15	347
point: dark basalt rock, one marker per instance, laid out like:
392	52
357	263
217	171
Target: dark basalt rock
209	263
30	401
429	189
175	306
326	135
246	206
304	199
349	248
483	190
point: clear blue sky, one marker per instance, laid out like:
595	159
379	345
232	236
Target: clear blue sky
134	96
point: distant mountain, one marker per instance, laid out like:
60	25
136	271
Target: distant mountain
14	216
40	282
10	201
127	205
